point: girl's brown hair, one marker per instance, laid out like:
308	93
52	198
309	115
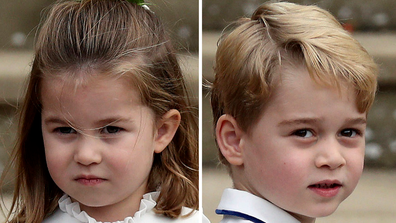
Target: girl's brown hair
118	38
250	56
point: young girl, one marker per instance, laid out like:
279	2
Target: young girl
106	130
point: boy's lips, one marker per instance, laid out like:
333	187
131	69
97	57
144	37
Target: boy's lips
326	188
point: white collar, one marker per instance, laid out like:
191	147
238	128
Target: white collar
250	205
73	208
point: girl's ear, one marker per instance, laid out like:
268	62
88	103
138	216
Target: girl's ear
166	129
228	136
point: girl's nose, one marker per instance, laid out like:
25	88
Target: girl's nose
88	151
330	155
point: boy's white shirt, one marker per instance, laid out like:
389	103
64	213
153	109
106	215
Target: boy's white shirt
245	204
69	212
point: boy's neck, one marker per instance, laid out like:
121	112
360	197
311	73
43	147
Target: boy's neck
239	185
303	219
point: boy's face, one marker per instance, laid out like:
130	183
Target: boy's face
306	152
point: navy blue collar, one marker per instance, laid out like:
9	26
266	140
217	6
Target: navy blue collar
239	214
247	206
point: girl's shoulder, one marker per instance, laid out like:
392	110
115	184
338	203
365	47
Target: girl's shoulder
70	212
60	217
195	217
188	216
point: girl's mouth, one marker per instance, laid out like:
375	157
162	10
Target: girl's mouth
89	180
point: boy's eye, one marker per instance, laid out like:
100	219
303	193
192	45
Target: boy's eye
348	133
111	130
305	133
65	130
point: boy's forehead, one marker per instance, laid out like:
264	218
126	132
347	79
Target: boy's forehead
291	72
298	99
297	81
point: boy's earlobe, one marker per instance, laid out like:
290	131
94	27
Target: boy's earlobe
228	136
166	129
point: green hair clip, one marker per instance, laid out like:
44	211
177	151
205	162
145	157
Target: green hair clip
138	2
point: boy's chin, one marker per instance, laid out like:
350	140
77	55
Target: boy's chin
318	212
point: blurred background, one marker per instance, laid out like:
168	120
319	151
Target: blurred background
373	24
19	20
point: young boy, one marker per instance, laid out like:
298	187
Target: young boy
290	101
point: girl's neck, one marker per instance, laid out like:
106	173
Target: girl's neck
118	211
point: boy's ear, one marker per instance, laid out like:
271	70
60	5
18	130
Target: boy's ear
166	129
228	136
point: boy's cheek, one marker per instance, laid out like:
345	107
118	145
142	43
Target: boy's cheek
356	162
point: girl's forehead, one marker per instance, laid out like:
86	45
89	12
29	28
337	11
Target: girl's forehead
65	89
96	99
78	77
84	79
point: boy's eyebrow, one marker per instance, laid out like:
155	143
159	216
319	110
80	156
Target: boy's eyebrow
356	121
350	121
299	121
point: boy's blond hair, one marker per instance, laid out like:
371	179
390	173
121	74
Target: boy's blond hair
249	59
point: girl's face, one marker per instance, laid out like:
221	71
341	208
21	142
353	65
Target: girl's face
99	143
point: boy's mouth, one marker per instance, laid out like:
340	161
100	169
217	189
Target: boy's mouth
326	188
325	185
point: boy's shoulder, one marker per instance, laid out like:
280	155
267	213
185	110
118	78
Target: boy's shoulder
239	206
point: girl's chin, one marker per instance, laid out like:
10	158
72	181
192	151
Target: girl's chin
90	203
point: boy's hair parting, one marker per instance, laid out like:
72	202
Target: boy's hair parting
250	57
112	37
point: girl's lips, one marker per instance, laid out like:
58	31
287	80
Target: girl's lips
89	180
327	188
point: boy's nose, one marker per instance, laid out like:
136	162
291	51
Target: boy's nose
330	155
87	151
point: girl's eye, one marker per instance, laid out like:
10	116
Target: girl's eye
305	133
65	130
349	133
111	130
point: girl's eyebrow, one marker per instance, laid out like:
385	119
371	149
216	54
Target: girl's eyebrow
54	120
112	120
101	122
